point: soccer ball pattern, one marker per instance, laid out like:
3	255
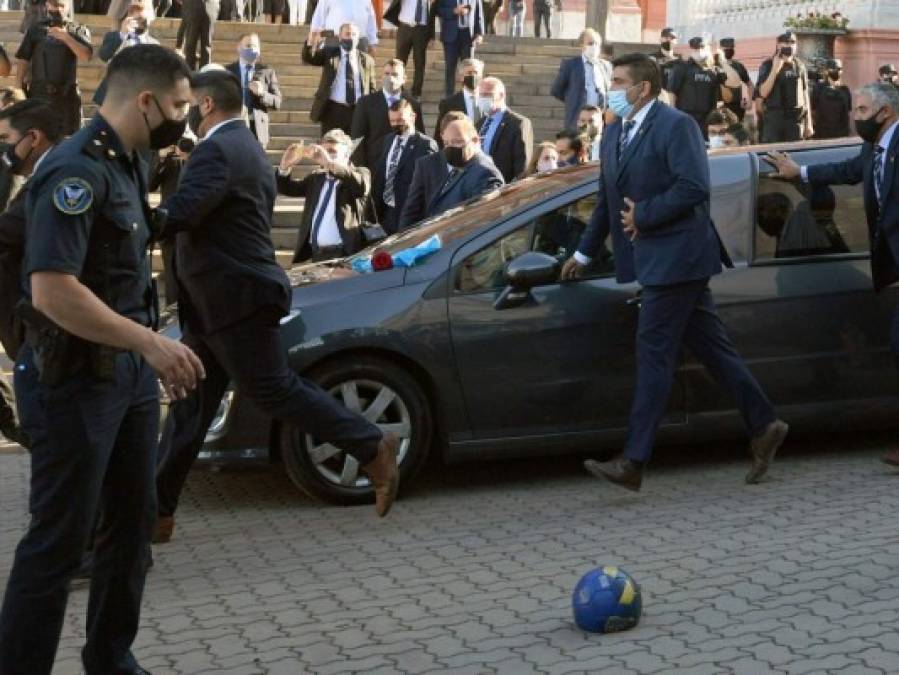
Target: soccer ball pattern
607	600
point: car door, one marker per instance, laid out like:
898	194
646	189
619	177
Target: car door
802	309
563	361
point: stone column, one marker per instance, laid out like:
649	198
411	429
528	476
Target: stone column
598	16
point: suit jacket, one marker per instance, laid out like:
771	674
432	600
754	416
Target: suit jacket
677	240
416	147
449	22
456	102
570	87
513	144
12	252
328	57
883	225
393	16
431	194
112	44
269	99
221	216
352	192
371	123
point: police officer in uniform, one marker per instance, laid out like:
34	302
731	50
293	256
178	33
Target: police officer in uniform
666	58
783	85
50	51
738	81
85	381
831	103
889	74
698	85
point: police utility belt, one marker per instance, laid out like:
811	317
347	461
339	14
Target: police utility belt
59	355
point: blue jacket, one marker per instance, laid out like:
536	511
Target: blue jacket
570	88
883	227
665	171
449	22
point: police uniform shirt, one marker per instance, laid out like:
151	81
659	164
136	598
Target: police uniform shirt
831	107
697	87
87	216
787	93
667	64
52	62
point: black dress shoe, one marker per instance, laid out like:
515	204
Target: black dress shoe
763	448
620	471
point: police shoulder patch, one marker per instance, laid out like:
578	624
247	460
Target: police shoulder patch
73	196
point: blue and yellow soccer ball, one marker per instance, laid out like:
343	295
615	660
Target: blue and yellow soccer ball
607	600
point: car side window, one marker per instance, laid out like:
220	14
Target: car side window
801	220
555	233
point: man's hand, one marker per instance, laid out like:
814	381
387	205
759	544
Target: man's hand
777	63
58	32
312	38
627	219
129	23
319	155
179	369
746	103
808	130
256	88
462	9
787	169
571	270
478	40
292	155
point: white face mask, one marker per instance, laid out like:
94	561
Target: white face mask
546	165
592	52
716	142
485	105
701	54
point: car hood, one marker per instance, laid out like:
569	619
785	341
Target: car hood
313	283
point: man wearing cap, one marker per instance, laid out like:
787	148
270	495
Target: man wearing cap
698	85
783	85
666	58
889	74
738	81
831	103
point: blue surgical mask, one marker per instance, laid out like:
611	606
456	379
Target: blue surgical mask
619	104
249	55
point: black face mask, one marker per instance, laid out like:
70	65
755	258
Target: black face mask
835	74
348	44
167	133
194	118
399	129
55	18
471	82
10	159
666	45
454	156
141	27
786	51
869	128
729	54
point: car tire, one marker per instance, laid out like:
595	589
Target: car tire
333	476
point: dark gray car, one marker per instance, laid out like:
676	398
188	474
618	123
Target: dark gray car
479	352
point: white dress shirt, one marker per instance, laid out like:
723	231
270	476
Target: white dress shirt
219	126
332	14
408	9
471	104
638	122
328	232
338	87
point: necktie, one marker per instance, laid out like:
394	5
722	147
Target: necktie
420	16
878	175
319	216
449	179
463	18
624	139
350	80
247	99
392	166
484	130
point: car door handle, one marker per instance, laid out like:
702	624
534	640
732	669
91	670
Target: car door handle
636	300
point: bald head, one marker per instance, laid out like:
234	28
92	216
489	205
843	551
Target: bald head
491	95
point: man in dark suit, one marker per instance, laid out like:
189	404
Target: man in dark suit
259	84
465	100
393	173
198	17
415	21
348	74
583	80
877	122
370	121
505	135
461	28
663	237
337	196
232	295
444	180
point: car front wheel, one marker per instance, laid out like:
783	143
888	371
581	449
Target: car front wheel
386	395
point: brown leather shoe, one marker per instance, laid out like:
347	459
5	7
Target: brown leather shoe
763	448
619	470
891	458
384	473
162	533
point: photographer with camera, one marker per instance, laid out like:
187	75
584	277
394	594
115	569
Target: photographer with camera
783	85
132	29
50	51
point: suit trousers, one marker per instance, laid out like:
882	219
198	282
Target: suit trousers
93	450
453	52
200	24
672	317
413	39
542	14
337	116
251	355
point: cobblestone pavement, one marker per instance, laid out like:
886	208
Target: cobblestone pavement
472	573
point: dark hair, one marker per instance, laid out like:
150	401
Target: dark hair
722	116
592	109
34	114
642	68
144	67
222	87
400	105
739	132
577	141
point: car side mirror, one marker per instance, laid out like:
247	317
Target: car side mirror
525	272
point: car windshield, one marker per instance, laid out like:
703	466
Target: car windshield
460	221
